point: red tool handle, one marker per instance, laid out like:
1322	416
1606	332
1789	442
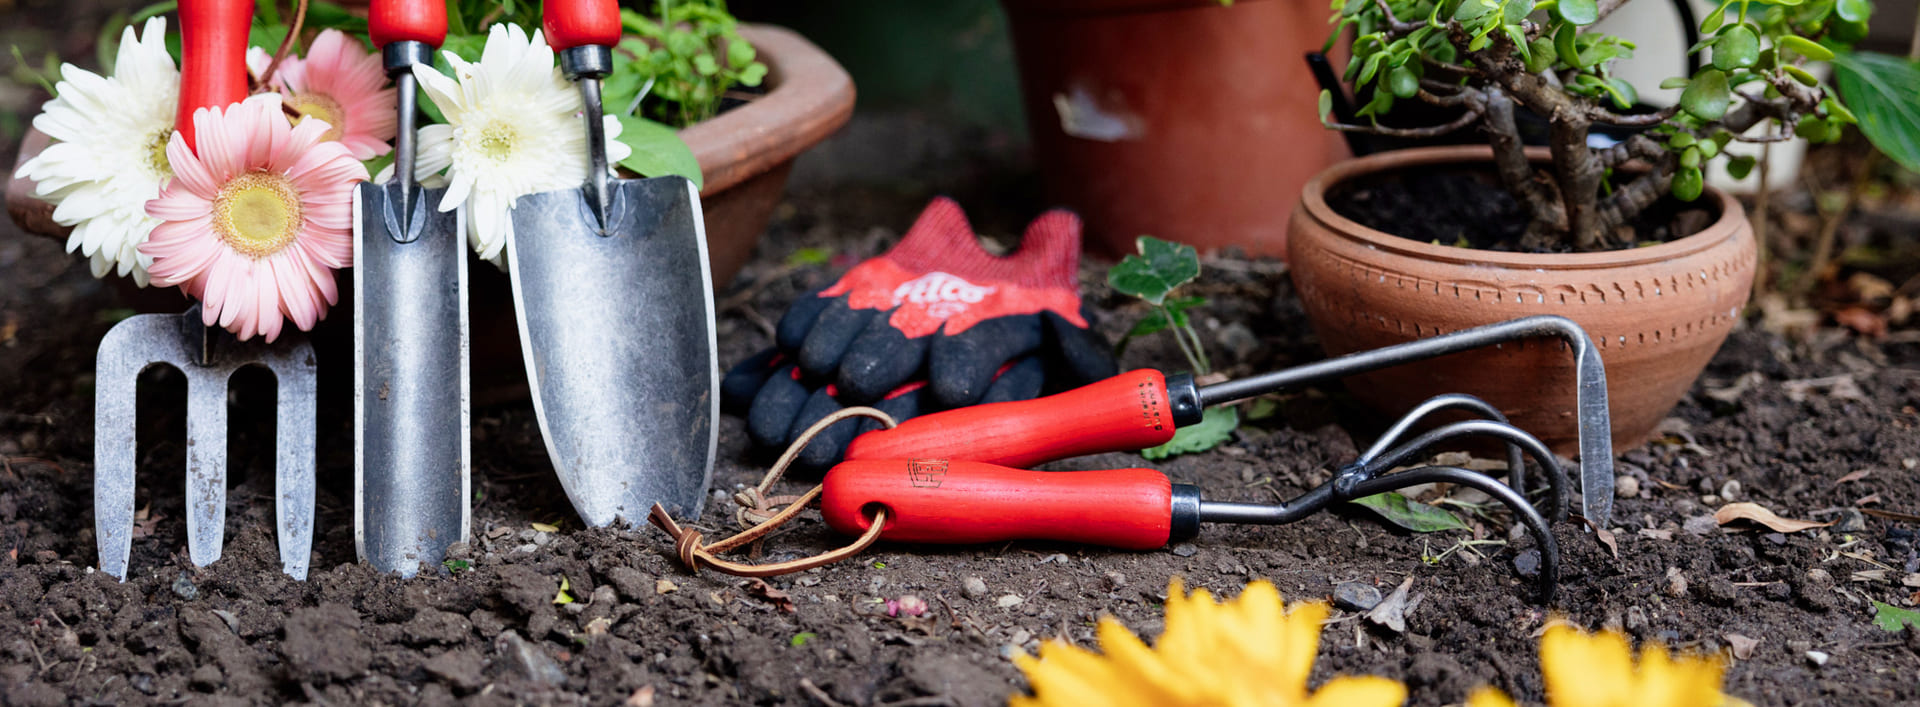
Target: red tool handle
423	21
574	23
963	502
213	57
1128	411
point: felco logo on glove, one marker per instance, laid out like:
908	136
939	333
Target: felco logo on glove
923	303
943	295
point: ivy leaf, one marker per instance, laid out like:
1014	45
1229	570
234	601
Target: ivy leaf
657	150
1880	87
1156	270
1412	515
1738	47
1707	95
1579	12
1216	426
1890	618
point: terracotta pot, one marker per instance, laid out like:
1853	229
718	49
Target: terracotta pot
1656	313
1175	118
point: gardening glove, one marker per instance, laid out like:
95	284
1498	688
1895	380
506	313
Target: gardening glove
769	391
938	306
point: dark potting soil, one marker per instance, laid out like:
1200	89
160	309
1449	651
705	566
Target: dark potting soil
1811	429
1469	207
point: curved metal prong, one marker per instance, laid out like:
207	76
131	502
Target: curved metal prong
1556	476
1549	547
1516	471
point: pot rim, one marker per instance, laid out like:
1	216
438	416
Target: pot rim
1314	204
809	97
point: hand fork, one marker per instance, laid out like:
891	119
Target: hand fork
208	357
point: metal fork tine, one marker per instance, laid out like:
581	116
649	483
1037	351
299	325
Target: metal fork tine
206	463
116	373
294	475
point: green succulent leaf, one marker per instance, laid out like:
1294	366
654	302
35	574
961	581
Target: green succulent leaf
1471	10
1803	76
1326	106
658	150
1738	47
1739	167
1403	83
1690	157
1579	12
1805	47
1156	270
1687	183
1216	427
1515	11
1540	55
1707	95
1623	93
1410	514
1675	82
1853	10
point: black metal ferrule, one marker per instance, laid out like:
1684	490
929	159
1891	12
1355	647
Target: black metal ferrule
1186	513
400	57
587	61
1183	398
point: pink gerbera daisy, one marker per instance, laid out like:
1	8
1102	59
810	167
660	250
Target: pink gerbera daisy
341	84
256	218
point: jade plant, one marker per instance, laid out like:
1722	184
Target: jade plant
1491	58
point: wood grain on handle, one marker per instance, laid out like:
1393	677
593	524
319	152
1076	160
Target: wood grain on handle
213	57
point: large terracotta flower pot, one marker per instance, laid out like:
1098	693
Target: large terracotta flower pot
1180	119
1656	313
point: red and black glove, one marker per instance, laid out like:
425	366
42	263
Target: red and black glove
938	306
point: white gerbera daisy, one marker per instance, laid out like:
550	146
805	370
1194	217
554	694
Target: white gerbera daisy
111	151
513	129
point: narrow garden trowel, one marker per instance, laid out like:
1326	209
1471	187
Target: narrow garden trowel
615	307
412	448
213	74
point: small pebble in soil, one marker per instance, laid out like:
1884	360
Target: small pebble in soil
1527	563
1676	582
1185	549
974	587
1776	538
1115	580
1626	487
1818	658
1700	525
206	678
1636	619
1730	490
184	587
1008	601
1851	521
1355	596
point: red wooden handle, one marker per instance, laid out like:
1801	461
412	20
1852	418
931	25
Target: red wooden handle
423	21
573	23
213	57
1125	412
962	502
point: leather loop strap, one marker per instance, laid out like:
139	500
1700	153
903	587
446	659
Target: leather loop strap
757	515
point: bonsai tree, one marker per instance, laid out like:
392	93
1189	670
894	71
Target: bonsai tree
1488	58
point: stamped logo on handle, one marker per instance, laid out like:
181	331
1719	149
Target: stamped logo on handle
926	473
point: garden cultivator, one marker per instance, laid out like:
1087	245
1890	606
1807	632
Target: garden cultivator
951	477
208	357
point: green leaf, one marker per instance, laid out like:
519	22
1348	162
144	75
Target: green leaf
657	150
1262	409
457	565
1216	426
800	639
1471	10
1707	95
1739	167
1675	82
1879	88
1682	140
809	256
1326	106
1737	48
1579	12
1711	23
1801	75
1156	270
1687	183
1540	55
1565	45
1805	47
1515	11
1403	83
562	597
1690	158
1624	96
1853	10
1412	515
1890	618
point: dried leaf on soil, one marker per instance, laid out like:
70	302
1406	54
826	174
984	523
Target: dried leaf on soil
759	589
1392	611
1742	645
1412	515
1759	514
1890	618
1854	476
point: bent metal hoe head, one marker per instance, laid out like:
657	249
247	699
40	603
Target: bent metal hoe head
208	357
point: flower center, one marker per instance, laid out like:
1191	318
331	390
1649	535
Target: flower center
157	154
257	213
496	141
320	106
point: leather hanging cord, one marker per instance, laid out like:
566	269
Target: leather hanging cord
756	512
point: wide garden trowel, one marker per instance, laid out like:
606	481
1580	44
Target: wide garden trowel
615	307
412	450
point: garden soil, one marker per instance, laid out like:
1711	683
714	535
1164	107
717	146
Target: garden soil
541	611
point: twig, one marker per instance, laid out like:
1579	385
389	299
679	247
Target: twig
1830	225
1464	120
815	692
1394	25
1603	115
1761	196
286	44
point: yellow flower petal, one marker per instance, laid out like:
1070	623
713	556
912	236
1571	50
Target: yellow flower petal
1489	697
1359	691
